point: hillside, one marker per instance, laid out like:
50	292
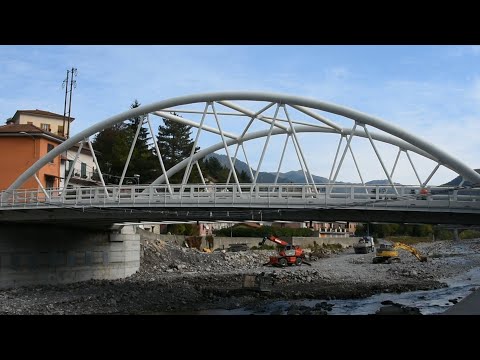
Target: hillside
458	180
296	177
263	177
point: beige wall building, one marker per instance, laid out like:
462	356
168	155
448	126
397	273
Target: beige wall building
45	120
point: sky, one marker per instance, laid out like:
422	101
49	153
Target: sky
431	91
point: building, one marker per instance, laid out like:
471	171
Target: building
30	135
324	229
334	229
47	121
21	145
84	171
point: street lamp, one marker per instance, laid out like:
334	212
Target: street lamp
34	148
137	177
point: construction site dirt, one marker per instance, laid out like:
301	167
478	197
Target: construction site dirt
174	279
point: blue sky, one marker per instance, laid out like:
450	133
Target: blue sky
432	91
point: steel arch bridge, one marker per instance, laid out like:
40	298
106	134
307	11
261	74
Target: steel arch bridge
272	123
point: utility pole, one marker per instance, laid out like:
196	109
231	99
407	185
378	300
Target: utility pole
73	84
65	83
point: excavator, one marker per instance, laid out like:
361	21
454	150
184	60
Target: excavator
387	253
288	255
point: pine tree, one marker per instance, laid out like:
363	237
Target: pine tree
175	144
143	161
113	145
244	177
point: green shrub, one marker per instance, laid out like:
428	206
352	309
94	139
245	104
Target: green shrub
332	246
409	240
469	234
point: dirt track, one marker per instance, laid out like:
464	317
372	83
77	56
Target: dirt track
175	279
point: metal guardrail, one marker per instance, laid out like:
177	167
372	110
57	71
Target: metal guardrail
259	195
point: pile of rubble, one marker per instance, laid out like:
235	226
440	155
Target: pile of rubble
168	257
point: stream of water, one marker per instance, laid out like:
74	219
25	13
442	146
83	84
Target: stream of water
428	301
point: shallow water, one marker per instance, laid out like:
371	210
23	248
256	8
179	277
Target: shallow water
427	301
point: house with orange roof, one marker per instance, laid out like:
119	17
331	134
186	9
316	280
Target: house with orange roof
21	145
45	120
30	135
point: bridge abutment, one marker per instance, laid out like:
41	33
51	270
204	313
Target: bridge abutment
40	255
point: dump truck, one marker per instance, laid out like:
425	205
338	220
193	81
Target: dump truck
364	245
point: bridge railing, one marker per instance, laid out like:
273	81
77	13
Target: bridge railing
273	195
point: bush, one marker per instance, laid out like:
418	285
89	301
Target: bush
386	230
183	229
333	246
409	240
194	241
469	234
443	234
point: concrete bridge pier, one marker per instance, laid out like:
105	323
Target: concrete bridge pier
40	254
455	235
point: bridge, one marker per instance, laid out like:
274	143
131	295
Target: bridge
99	207
265	131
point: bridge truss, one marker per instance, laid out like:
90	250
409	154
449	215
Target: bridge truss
269	132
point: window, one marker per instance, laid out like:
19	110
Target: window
49	181
84	170
60	130
50	148
68	165
45	127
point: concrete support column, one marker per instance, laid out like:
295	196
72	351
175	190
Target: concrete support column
455	235
39	254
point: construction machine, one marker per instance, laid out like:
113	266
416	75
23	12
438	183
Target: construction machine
364	245
387	253
288	255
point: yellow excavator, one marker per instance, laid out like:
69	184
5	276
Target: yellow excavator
387	253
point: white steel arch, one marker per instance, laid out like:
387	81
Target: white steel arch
403	139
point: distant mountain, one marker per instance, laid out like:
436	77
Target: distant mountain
380	182
458	180
299	177
263	177
296	177
239	165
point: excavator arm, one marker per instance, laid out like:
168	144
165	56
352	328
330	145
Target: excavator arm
411	249
274	239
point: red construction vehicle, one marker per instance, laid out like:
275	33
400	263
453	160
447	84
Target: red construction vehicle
288	255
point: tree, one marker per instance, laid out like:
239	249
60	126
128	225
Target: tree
244	177
143	161
175	145
113	145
